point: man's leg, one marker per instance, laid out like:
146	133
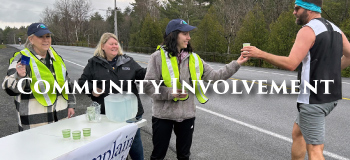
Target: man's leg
315	152
298	145
312	119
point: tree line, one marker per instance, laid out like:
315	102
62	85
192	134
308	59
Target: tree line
222	25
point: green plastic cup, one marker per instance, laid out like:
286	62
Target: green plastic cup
76	135
87	132
91	113
246	44
66	133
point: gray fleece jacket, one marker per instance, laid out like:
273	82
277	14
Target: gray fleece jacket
163	106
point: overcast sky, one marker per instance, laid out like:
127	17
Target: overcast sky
17	13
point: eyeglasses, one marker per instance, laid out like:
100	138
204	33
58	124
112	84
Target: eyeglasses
296	8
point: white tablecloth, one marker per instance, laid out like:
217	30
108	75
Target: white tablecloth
46	142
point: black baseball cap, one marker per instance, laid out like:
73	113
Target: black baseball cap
178	24
37	29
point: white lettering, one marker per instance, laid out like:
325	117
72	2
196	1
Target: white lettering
308	85
115	86
275	87
248	88
94	84
215	87
189	87
129	87
20	87
156	87
174	85
141	91
59	89
234	87
85	86
294	87
41	83
326	85
204	88
261	86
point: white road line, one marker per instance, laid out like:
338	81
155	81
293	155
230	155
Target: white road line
270	73
329	154
73	63
141	55
345	82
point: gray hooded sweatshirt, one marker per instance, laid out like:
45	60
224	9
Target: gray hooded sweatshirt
163	106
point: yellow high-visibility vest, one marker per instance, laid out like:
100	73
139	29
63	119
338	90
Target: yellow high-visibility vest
41	72
170	71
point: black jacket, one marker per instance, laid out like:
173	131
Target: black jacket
125	69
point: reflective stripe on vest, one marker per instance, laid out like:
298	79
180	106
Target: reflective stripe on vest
170	71
41	72
196	70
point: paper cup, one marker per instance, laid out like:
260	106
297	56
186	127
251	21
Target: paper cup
66	133
76	135
87	132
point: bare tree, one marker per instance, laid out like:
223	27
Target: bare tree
63	8
80	10
231	13
68	20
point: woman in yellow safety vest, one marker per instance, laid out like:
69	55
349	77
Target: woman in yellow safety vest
175	63
31	77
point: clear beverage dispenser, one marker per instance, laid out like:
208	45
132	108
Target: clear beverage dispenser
121	107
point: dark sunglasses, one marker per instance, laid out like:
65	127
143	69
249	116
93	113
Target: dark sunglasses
47	36
296	8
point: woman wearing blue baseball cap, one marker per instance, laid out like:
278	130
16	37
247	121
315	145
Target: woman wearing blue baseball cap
174	62
38	63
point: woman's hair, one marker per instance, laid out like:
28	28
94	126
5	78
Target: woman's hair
28	44
170	42
104	38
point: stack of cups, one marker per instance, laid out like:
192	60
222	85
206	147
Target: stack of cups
87	132
76	135
66	133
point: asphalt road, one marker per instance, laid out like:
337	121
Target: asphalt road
229	126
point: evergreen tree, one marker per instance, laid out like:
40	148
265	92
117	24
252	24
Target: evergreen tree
150	34
345	25
192	11
336	11
282	35
253	31
162	25
209	36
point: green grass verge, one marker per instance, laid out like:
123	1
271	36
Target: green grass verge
2	46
